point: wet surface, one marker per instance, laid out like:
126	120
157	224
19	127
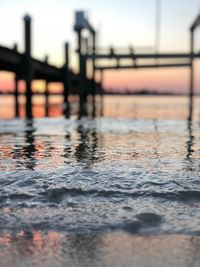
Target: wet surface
100	175
67	183
114	249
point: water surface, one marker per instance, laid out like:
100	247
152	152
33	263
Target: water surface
134	174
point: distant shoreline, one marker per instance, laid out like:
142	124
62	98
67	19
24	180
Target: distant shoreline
144	94
107	94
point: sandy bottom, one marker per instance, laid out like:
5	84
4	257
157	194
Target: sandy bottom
113	249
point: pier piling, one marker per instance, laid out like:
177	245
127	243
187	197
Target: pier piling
66	104
82	68
191	90
16	94
93	74
16	90
28	66
101	93
46	91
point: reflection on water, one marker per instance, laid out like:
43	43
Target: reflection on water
86	150
134	107
29	148
191	162
100	172
55	249
24	153
190	141
67	149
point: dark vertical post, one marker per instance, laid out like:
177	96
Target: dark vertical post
93	73
81	74
191	93
85	45
85	82
16	97
101	92
66	105
80	24
28	66
16	93
46	92
47	99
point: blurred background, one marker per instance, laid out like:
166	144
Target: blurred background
118	23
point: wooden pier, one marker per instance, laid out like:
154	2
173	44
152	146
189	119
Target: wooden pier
28	69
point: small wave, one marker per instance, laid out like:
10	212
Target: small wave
57	194
184	195
15	197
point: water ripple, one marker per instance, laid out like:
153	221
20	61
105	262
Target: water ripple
91	175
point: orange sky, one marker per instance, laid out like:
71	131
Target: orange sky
160	80
133	22
172	80
7	84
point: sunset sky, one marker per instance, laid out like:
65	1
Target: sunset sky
119	23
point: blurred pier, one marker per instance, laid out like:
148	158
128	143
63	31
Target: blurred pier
26	68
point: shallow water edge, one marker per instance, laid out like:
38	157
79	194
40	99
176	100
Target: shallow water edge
108	250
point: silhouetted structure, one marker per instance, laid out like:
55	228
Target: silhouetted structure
81	24
28	69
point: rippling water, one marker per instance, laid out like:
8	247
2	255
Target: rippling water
100	175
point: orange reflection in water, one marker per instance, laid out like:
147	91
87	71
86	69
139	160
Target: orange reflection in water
35	241
135	107
114	249
149	107
7	106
